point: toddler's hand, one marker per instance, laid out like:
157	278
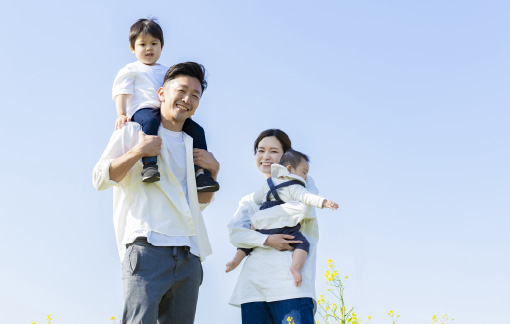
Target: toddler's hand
121	121
329	204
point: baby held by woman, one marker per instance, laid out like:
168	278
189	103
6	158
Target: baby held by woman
287	184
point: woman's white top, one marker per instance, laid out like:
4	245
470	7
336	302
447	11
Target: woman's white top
265	276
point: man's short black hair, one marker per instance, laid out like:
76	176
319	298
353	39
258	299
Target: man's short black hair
145	27
191	69
293	158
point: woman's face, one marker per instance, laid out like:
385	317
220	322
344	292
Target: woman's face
269	151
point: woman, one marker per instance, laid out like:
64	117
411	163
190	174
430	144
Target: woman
265	288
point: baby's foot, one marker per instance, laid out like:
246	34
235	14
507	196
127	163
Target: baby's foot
231	266
297	276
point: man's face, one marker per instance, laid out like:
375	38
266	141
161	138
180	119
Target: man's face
180	98
147	49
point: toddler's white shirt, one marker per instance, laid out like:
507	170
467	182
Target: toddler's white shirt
141	82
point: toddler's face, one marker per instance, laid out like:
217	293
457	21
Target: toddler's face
147	49
301	170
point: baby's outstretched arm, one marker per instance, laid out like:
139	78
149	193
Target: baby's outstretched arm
329	204
120	104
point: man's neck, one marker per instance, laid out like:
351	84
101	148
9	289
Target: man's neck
172	125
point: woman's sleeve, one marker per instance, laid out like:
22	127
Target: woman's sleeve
239	226
259	196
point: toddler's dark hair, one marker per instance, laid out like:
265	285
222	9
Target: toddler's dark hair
293	158
145	27
190	69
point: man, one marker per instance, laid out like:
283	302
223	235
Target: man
161	235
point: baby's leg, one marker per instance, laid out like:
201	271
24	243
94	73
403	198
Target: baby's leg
298	261
238	257
149	119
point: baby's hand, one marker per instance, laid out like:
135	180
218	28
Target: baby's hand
329	204
121	121
252	227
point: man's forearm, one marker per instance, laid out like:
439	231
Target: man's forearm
121	165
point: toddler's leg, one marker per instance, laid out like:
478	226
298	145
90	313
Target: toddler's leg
238	257
205	182
298	261
149	119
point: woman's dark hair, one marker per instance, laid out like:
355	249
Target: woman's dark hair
145	27
190	69
293	158
282	137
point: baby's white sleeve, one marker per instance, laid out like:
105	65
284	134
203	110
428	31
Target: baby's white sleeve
123	83
300	193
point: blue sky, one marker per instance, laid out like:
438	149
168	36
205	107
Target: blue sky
402	107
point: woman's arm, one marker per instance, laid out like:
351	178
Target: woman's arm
242	236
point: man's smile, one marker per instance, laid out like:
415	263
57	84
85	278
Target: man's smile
183	107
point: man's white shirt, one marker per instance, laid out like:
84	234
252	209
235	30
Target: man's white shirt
167	212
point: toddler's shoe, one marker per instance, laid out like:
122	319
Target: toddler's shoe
206	183
150	173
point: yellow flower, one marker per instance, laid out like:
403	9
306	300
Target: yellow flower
370	317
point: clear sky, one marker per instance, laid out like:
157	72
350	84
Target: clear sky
403	107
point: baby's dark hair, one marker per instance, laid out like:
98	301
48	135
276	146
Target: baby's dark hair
293	158
145	27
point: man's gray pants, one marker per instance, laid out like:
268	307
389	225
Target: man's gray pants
160	284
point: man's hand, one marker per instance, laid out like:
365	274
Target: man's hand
121	121
148	145
281	242
206	160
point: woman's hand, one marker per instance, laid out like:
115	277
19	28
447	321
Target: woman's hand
281	242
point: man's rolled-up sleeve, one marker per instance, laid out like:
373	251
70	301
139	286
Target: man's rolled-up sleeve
121	141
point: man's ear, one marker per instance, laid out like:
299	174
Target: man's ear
161	94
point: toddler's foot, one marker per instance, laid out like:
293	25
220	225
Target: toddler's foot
150	173
231	266
297	276
206	183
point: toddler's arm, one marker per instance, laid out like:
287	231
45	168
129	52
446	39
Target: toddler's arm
120	105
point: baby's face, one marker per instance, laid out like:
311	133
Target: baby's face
301	170
147	49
